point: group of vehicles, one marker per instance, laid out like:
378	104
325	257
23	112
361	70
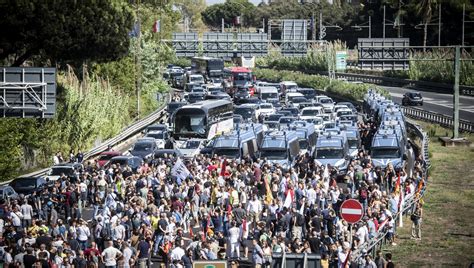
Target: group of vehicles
239	117
390	143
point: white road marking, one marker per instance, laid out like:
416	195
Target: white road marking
351	211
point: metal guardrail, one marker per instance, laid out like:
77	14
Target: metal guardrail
437	118
122	136
419	85
409	201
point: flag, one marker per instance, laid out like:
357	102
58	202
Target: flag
244	225
208	227
381	225
135	32
397	184
302	209
191	234
223	167
269	196
157	26
180	171
326	172
288	199
229	211
346	262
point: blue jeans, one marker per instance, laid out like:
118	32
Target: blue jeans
158	242
83	244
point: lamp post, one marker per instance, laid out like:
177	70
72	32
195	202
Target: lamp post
393	23
322	27
359	27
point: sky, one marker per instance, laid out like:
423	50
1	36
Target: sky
211	2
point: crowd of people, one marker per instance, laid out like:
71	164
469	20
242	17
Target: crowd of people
245	211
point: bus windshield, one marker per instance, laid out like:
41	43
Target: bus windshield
385	153
228	152
190	121
242	76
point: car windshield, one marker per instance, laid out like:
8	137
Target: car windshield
304	144
329	153
269	96
416	95
196	78
274	117
157	135
286	120
266	106
246	113
310	112
105	157
274	154
28	183
325	100
228	152
299	100
378	153
142	146
353	143
57	171
191	144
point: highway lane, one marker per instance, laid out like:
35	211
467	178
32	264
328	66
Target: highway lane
438	102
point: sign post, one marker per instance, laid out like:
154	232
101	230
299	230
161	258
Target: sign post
352	211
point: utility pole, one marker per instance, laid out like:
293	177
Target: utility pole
439	25
383	36
321	33
399	29
463	21
222	25
457	63
370	26
137	58
313	27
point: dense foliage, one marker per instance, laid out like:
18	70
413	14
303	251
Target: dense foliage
63	31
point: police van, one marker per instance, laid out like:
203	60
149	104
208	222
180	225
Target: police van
306	133
280	147
332	150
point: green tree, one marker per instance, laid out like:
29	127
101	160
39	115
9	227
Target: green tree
228	11
425	9
192	10
64	31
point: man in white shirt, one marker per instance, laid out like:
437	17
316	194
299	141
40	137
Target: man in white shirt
177	253
110	255
118	234
255	207
234	240
83	234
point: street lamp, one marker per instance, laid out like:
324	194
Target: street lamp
393	23
358	27
420	25
322	27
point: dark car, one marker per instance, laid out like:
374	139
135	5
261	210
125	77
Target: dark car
28	185
7	192
144	148
160	153
412	98
194	97
173	106
157	127
242	93
218	95
273	120
104	157
293	110
133	162
253	100
308	93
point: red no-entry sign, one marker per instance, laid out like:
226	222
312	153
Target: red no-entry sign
352	211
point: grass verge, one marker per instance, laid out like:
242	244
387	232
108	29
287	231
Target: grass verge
448	226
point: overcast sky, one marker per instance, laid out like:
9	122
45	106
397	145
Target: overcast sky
211	2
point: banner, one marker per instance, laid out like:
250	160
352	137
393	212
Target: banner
180	171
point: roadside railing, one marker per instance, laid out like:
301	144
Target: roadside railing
437	118
409	202
127	132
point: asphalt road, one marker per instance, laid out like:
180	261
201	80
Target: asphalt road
438	102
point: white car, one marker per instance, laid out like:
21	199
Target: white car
265	109
328	104
292	95
191	148
310	112
160	138
341	112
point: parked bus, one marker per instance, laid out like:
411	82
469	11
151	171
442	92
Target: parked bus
203	119
208	67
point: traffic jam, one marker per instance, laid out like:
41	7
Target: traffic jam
245	170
